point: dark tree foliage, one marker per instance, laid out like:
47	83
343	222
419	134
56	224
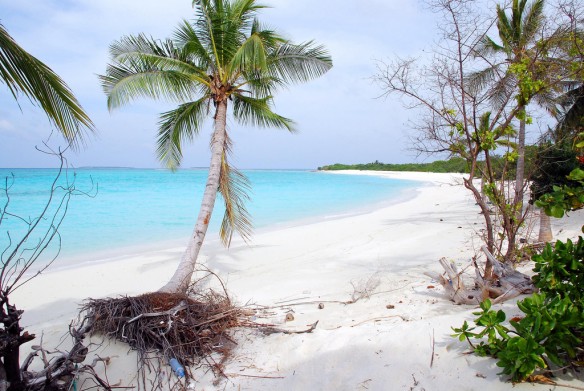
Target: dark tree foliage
553	163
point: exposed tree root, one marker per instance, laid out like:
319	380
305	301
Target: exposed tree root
163	326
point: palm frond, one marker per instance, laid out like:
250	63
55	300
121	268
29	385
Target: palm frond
486	47
123	85
257	111
146	54
141	68
300	63
244	11
547	100
177	126
250	56
532	22
506	31
259	84
571	111
479	80
25	74
502	90
234	188
270	38
186	38
517	8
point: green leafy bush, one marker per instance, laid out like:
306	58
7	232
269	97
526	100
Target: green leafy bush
560	270
552	327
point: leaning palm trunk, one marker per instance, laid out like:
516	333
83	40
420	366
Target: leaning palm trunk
181	279
545	227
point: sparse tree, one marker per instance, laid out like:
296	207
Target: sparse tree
473	114
25	252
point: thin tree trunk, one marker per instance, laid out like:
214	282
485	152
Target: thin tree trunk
520	174
545	227
181	279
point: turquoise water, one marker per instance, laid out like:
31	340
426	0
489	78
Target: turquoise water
135	207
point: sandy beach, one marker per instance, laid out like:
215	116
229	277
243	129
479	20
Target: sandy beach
396	336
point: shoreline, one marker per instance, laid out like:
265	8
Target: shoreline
71	261
396	333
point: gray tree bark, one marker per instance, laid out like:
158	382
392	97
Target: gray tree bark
520	174
545	227
181	279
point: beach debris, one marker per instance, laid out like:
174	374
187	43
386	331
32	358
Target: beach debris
506	283
365	288
170	328
61	370
177	368
268	330
320	306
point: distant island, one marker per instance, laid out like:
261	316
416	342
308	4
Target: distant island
451	165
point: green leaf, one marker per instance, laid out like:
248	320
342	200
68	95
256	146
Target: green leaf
24	74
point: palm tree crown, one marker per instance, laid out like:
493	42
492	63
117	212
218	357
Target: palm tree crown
225	54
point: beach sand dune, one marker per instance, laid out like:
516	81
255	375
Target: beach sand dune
395	336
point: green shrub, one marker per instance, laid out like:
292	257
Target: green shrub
552	328
560	270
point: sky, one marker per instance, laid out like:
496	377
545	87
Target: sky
340	117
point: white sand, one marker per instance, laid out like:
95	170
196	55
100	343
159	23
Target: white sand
361	346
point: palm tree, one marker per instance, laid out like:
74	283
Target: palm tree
24	74
518	35
225	59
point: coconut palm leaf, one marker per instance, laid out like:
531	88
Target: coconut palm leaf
252	111
477	81
186	37
177	126
251	55
486	47
24	74
234	188
299	63
532	22
143	69
570	113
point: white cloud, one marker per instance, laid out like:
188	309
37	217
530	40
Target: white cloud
6	126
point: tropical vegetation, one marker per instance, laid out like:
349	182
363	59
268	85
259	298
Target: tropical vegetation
480	115
450	165
225	62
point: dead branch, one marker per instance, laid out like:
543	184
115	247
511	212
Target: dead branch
268	330
505	284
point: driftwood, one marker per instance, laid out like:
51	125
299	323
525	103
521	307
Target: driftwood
268	330
506	283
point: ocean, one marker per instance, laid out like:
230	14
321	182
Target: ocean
120	208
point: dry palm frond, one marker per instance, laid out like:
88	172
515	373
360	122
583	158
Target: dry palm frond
234	187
